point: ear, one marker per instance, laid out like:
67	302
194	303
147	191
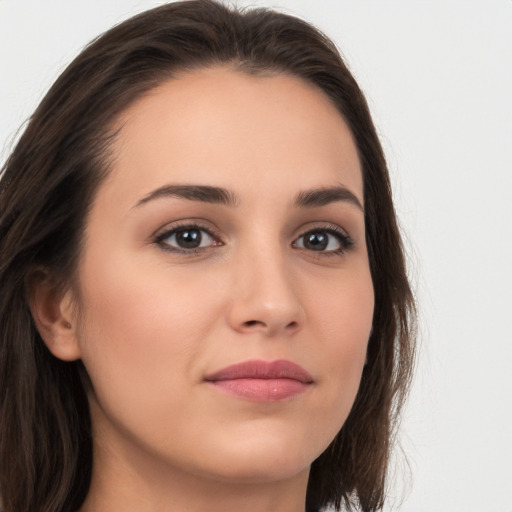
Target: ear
54	315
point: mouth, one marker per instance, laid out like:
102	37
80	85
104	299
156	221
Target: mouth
262	381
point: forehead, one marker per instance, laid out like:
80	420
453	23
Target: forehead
223	127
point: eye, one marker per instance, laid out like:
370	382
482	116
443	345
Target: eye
186	239
324	240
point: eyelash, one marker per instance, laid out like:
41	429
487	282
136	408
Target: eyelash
344	240
192	226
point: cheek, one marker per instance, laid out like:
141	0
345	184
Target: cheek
343	319
139	325
344	311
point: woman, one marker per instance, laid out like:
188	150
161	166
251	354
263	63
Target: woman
204	300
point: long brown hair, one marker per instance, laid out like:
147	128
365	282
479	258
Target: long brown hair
48	184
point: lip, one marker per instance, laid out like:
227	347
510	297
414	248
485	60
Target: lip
262	381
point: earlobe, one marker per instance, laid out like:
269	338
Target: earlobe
54	316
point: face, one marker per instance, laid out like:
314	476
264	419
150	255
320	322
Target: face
224	287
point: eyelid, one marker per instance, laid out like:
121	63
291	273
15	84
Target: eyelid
345	240
323	225
186	223
169	229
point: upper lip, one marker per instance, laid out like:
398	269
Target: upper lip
257	369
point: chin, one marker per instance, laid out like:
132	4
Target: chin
261	471
264	460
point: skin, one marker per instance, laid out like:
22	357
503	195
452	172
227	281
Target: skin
151	323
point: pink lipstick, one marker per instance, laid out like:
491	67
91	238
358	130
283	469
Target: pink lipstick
262	381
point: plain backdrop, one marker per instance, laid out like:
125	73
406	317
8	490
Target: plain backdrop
438	77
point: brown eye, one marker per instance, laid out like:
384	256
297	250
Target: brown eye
316	241
189	238
323	240
186	238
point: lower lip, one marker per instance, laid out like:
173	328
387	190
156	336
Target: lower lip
262	390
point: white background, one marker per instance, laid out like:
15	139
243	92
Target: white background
438	76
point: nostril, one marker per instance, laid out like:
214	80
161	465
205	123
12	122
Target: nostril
251	323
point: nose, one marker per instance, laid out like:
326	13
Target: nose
265	299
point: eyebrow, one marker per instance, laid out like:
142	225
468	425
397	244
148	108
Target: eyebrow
217	195
203	193
326	195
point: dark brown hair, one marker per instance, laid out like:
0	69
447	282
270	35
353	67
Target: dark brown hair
48	184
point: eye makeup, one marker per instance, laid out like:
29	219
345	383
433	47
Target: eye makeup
328	240
192	237
187	238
